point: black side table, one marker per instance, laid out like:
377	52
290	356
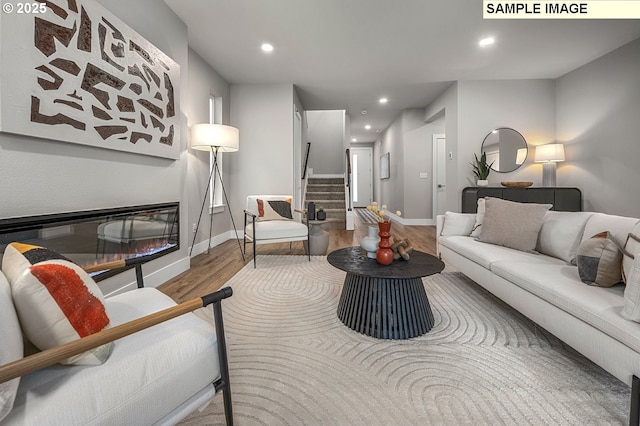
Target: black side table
387	302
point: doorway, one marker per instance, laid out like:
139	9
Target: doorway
439	175
361	176
297	157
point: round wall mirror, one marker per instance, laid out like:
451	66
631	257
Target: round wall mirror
505	148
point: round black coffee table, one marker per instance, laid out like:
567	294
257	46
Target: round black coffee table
387	302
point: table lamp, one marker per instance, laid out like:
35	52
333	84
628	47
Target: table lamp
549	155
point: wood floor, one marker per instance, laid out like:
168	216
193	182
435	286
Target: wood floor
211	271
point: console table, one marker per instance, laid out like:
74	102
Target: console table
562	199
387	302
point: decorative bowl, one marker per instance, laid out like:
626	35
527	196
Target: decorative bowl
516	184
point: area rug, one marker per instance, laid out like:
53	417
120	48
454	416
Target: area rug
365	215
292	362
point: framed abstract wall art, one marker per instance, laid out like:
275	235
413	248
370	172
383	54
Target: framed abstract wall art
74	72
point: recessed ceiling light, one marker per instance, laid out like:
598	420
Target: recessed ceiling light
383	100
354	140
363	112
488	41
267	47
368	126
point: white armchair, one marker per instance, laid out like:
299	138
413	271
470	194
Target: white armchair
166	363
269	219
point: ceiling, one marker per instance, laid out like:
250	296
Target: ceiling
346	54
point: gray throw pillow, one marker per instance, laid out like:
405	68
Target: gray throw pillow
511	224
599	261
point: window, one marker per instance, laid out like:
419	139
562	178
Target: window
216	201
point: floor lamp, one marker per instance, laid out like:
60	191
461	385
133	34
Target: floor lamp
214	138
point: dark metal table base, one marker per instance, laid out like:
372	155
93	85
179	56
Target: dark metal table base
386	308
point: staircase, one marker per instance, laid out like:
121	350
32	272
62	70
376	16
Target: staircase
328	193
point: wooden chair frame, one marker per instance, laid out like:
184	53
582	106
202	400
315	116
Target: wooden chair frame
54	355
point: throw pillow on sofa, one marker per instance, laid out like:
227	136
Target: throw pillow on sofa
561	233
477	227
457	224
56	300
599	261
631	309
511	224
631	248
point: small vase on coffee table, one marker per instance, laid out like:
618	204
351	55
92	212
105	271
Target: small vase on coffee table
370	242
384	255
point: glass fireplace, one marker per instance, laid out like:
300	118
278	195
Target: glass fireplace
98	236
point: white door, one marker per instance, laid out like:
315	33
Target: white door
440	175
361	176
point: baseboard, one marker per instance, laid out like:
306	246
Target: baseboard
155	278
164	274
202	246
411	222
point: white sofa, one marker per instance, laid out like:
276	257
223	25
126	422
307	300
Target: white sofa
154	376
548	290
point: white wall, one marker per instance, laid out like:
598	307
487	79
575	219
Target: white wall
390	191
204	81
326	133
527	106
42	176
445	109
598	116
264	163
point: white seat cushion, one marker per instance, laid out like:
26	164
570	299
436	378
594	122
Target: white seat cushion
148	374
560	285
277	229
486	254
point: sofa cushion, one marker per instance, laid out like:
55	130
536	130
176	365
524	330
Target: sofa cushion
618	226
148	374
561	233
480	211
277	229
631	310
599	261
11	338
630	250
512	224
274	209
458	223
486	254
57	302
560	285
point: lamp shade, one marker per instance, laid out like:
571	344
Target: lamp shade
549	153
207	136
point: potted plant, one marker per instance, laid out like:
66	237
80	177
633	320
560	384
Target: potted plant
481	169
321	214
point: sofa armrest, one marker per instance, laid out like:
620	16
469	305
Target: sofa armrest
439	225
54	355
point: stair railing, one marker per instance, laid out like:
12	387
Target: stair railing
347	180
306	161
